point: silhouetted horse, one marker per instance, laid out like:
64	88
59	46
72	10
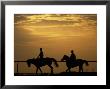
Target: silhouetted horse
39	63
70	64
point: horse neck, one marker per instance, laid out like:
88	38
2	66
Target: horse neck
65	59
33	62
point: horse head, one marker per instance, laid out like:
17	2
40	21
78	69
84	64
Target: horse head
65	57
86	62
29	61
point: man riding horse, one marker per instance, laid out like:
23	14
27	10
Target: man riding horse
72	57
41	56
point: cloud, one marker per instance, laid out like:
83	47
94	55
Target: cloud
90	16
54	20
31	28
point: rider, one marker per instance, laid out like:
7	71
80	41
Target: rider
73	56
41	55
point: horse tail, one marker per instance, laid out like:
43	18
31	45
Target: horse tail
86	62
55	62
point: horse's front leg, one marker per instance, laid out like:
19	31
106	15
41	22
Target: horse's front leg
79	69
40	69
51	70
67	70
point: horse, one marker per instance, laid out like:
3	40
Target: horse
70	64
39	63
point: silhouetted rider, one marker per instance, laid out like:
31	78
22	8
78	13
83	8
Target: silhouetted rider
41	56
73	56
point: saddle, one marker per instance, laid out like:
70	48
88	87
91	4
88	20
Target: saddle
73	61
41	61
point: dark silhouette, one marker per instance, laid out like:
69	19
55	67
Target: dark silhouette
59	74
48	61
79	62
73	56
41	56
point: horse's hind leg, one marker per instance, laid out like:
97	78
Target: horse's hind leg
80	69
51	69
67	70
36	70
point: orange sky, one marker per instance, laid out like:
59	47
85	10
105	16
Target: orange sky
57	34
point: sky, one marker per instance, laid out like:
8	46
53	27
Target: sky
57	34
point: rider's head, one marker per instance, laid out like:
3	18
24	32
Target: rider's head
40	49
72	51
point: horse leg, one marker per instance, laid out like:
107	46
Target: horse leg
80	68
67	70
40	69
36	70
51	69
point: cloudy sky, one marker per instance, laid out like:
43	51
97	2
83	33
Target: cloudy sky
57	34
